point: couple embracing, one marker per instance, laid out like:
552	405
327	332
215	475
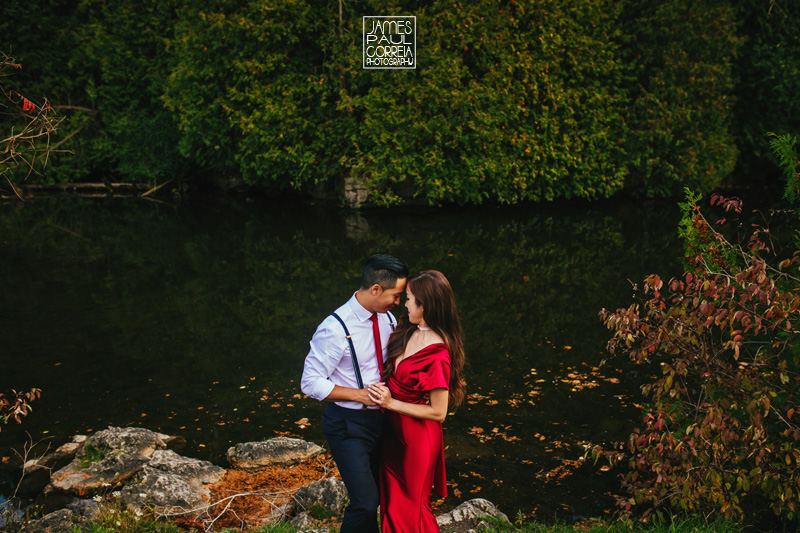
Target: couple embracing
388	384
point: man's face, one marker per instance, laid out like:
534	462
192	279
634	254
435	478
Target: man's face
388	298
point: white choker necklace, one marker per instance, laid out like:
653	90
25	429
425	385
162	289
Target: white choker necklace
423	328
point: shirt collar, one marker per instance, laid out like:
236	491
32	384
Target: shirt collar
362	314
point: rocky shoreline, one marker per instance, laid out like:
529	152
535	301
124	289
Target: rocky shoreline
137	467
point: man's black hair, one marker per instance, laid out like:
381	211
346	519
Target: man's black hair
383	269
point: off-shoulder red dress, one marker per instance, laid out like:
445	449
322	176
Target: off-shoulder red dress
412	457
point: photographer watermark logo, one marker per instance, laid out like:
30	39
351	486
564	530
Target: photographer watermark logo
390	42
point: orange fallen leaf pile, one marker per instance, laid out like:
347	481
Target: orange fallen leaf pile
260	491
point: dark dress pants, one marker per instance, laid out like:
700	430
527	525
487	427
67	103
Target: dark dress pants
354	439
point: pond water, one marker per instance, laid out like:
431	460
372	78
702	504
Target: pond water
194	320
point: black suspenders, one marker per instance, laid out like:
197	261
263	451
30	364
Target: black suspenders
356	369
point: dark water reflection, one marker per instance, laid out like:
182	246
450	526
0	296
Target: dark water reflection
195	320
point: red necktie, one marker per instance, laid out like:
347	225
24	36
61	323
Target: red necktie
376	334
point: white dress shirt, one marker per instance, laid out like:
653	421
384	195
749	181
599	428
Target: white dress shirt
329	362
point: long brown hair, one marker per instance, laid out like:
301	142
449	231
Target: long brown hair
432	291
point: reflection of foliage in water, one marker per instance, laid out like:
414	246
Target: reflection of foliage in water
195	320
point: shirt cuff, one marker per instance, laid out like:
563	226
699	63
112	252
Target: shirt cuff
320	389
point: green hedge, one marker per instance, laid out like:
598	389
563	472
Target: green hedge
510	102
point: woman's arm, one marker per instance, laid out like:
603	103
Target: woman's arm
436	410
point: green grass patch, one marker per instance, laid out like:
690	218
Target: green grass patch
91	454
113	517
658	525
319	512
278	527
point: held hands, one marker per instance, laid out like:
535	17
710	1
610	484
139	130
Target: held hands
363	396
379	393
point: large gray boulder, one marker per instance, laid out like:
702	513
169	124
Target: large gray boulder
131	440
170	462
330	493
171	482
111	471
280	451
469	512
124	453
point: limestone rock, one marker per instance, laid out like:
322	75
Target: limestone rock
302	521
110	471
37	471
131	440
166	492
470	510
355	193
280	451
171	462
171	482
126	451
61	521
330	493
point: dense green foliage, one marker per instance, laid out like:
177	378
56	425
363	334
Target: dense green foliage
124	47
784	146
517	101
519	106
720	432
249	92
767	71
681	96
510	101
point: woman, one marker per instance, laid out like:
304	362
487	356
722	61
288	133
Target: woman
422	377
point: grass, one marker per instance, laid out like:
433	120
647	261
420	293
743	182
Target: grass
91	455
668	525
113	517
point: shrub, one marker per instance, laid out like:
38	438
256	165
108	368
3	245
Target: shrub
720	432
17	405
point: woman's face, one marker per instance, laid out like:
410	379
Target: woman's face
414	310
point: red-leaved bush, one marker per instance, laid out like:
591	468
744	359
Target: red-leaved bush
16	405
722	429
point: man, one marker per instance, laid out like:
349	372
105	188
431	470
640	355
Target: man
352	422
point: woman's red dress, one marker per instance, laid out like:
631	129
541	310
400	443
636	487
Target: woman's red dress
412	458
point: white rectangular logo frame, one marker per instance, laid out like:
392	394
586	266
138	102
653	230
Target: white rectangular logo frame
383	58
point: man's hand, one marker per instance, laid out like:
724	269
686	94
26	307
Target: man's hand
340	394
363	397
